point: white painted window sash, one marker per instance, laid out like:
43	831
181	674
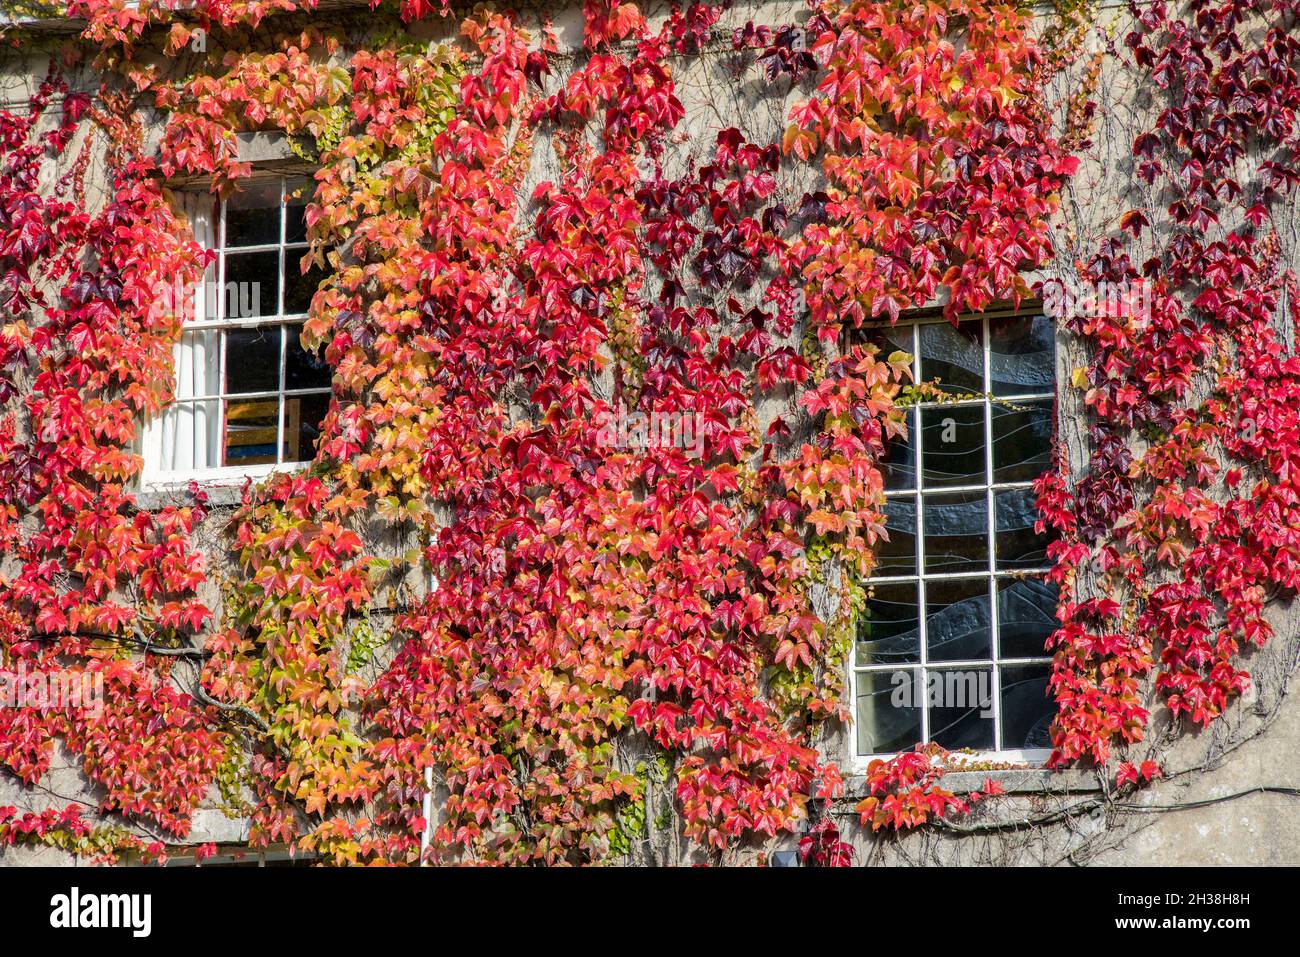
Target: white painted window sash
155	476
995	662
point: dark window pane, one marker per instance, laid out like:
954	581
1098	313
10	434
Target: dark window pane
961	710
898	555
253	359
299	288
889	628
303	416
303	369
251	426
953	440
899	462
297	193
1022	441
253	214
958	619
1026	616
295	223
1016	542
956	532
954	355
889	712
1021	355
1027	709
252	285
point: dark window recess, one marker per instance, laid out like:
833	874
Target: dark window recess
952	644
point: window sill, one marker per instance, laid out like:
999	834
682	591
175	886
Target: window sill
220	492
224	488
1013	781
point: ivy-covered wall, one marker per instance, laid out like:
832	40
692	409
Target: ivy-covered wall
638	654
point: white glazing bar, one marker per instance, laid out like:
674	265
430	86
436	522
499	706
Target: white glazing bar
951	489
923	634
953	576
262	394
968	663
220	456
284	333
994	649
281	401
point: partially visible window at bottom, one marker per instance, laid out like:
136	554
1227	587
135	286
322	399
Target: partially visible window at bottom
246	857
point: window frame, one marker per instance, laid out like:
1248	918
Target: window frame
244	855
1034	757
154	478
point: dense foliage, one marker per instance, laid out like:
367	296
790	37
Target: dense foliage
608	619
1189	539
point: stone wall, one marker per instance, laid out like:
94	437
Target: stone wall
1215	807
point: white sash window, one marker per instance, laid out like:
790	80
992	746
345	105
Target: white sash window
249	398
950	647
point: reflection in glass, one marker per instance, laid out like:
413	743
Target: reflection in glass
953	354
1021	355
958	615
251	427
956	532
968	549
1022	441
963	715
1026	616
898	555
888	629
303	416
1027	708
888	714
1017	544
953	442
295	209
898	464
